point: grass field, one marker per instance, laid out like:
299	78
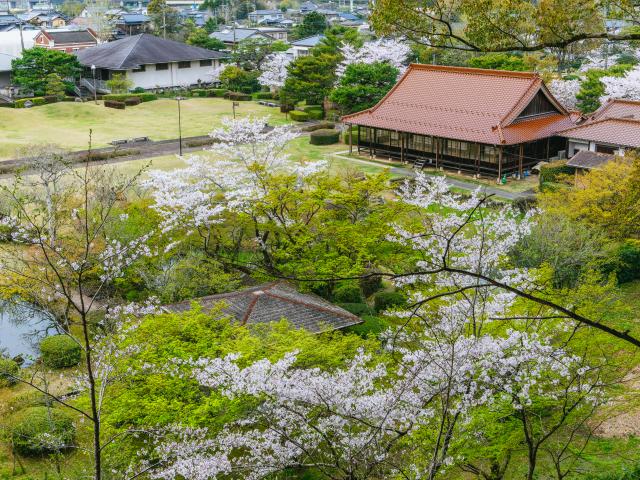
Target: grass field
68	124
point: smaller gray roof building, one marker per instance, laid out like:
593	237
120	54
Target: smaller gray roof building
308	42
271	302
133	19
588	160
144	49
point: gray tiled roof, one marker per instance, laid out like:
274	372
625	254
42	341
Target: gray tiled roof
143	49
272	302
588	160
309	41
240	34
72	36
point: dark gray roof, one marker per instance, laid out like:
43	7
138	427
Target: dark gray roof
143	49
73	36
309	41
228	36
130	18
271	302
588	160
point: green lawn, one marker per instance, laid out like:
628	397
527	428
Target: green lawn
67	124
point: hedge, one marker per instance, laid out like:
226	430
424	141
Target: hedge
121	97
315	114
347	292
319	126
264	96
132	102
60	351
307	108
8	369
41	430
298	116
218	92
35	100
624	261
51	98
324	137
286	107
552	172
200	92
371	325
385	300
238	96
114	104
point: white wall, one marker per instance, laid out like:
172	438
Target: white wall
173	77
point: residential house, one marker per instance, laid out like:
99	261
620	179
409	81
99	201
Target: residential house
66	40
149	62
132	23
8	22
44	19
233	36
485	122
308	7
259	16
281	34
302	47
273	302
332	16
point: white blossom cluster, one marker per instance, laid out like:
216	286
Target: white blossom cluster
565	91
117	256
381	50
274	70
627	87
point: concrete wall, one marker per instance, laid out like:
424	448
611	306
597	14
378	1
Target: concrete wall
173	76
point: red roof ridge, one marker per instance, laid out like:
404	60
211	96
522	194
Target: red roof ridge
601	120
474	71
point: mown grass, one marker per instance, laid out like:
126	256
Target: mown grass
67	124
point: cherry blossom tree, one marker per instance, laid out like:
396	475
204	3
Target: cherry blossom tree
565	91
274	71
627	87
61	259
391	51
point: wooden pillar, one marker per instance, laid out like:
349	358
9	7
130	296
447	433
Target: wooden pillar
478	159
350	138
401	137
547	159
374	143
358	139
499	163
520	157
436	141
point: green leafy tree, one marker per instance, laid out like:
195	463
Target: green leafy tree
499	61
364	85
239	80
71	8
311	78
210	25
200	38
55	85
591	88
165	20
119	83
31	71
313	23
250	54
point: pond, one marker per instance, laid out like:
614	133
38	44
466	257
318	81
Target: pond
21	330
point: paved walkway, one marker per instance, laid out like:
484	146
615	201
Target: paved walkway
454	182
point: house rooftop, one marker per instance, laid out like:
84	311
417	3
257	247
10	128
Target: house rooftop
70	36
468	104
240	34
588	160
143	49
271	302
309	41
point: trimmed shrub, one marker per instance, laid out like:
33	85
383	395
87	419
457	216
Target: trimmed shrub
138	90
385	300
114	104
308	108
69	99
319	126
238	96
121	97
324	137
8	369
358	309
264	96
7	105
624	260
36	101
552	172
298	116
132	102
286	107
218	92
315	114
41	430
60	351
51	98
200	92
347	292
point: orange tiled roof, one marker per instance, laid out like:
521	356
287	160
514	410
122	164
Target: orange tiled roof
615	131
468	104
618	108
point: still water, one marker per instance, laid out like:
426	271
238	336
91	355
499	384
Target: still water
21	330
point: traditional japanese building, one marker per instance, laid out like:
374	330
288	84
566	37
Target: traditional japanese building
485	122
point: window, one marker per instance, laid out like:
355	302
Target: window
162	66
490	154
184	64
206	63
141	68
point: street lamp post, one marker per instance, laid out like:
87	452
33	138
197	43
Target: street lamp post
95	90
179	99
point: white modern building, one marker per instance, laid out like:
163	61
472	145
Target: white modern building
149	62
11	44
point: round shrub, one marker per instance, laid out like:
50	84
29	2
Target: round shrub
347	293
298	116
8	369
264	96
315	114
308	108
41	430
132	101
385	300
60	351
324	137
114	104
